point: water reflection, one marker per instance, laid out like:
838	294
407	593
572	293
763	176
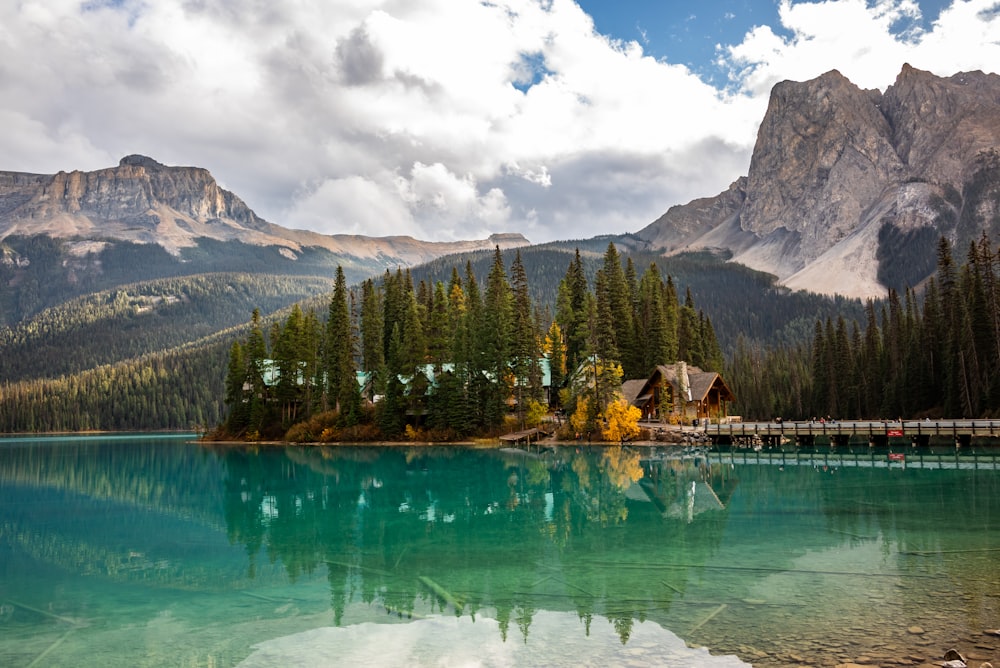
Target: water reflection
211	552
469	530
477	643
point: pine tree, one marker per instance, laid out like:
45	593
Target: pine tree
671	311
820	371
341	372
651	322
311	345
438	329
555	348
255	357
525	352
619	293
689	333
871	367
495	340
413	351
336	339
372	335
237	400
842	368
288	355
571	312
714	359
950	324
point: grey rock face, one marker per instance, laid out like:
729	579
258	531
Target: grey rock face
849	190
144	201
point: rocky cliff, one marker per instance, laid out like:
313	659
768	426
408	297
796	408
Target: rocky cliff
144	201
849	190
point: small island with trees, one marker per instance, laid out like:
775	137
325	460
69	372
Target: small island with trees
455	361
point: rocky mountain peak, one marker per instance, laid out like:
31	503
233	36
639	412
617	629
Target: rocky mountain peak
144	201
849	190
824	154
139	200
938	123
136	160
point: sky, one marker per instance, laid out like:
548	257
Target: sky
447	119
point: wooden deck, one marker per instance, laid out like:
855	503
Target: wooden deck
527	435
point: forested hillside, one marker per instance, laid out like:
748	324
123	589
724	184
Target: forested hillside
141	356
40	272
120	335
177	390
741	302
141	318
933	354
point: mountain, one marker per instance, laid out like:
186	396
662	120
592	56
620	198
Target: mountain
68	234
144	201
849	190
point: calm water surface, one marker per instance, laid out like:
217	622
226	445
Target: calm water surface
140	551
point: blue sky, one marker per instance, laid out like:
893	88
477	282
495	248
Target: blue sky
447	119
685	33
689	33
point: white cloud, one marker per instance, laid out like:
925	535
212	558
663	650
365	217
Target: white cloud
867	44
353	205
438	119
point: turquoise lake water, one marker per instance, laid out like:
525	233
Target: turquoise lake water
156	551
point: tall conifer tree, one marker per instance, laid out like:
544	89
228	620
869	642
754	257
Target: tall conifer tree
495	339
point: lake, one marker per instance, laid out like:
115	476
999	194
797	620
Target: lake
157	551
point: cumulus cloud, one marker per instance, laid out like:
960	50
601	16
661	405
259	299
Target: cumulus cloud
436	119
354	205
867	42
360	60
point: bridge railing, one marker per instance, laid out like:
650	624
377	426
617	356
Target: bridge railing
891	428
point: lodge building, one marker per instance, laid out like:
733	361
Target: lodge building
678	393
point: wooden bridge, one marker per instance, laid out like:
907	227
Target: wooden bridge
877	432
919	459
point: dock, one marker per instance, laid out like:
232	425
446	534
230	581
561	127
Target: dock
876	432
526	435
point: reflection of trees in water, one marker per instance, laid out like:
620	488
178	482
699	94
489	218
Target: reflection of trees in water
117	507
159	474
462	530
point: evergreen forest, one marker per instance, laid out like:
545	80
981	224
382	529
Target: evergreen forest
935	354
463	358
157	353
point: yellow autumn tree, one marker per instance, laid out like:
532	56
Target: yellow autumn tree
581	416
621	421
534	412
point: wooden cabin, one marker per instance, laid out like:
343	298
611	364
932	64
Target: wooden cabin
681	392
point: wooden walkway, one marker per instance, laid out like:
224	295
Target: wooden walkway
527	435
876	432
892	428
